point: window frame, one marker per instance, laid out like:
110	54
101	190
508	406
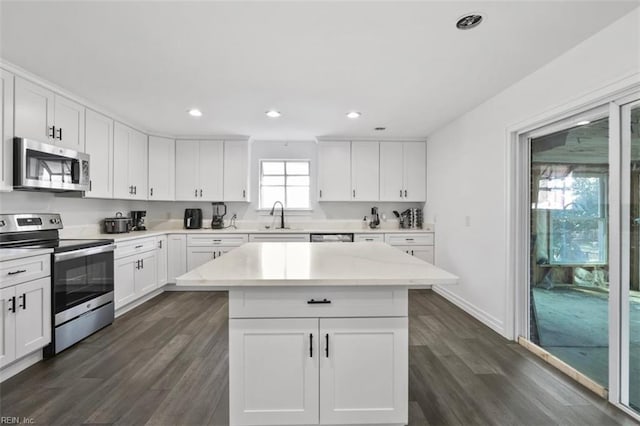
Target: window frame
262	208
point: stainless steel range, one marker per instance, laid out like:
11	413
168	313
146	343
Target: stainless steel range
81	278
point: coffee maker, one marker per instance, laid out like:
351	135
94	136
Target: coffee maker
137	217
219	210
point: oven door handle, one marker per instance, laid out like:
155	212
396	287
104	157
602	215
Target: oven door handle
89	251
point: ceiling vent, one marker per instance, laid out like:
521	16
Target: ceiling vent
469	21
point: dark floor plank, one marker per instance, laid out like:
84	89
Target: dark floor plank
166	362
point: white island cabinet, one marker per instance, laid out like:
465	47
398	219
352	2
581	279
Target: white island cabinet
318	333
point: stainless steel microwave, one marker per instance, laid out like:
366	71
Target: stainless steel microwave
45	167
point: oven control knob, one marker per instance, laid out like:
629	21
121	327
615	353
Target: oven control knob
54	221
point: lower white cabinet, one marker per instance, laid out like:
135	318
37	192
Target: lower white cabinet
275	363
162	260
176	256
279	238
321	370
25	319
135	276
202	248
418	244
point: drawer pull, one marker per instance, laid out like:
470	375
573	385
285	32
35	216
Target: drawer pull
408	239
139	246
326	346
318	302
19	271
368	239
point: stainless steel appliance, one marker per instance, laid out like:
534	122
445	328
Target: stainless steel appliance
39	166
82	276
117	225
332	238
219	210
192	218
137	218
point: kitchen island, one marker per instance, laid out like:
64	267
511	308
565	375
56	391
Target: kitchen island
318	333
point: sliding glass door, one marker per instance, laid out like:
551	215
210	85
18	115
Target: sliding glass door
580	236
569	229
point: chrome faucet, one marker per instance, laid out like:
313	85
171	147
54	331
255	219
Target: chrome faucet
273	209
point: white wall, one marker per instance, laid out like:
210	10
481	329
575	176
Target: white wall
77	212
466	164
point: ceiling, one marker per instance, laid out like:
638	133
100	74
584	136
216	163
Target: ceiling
404	65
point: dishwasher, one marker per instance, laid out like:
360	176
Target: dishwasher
332	238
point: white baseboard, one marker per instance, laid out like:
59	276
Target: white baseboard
489	320
138	302
19	365
173	287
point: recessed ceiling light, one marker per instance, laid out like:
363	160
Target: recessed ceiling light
468	21
194	112
273	113
582	123
354	114
379	129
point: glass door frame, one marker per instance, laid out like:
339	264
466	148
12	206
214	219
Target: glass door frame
624	107
613	98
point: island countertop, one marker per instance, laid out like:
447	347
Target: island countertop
315	264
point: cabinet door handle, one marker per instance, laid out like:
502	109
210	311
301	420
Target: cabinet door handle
318	302
90	185
196	193
60	133
142	263
401	193
326	345
151	192
12	305
411	252
160	244
214	254
354	193
321	193
135	190
310	345
130	189
19	271
201	193
137	264
244	193
405	193
24	301
52	132
219	253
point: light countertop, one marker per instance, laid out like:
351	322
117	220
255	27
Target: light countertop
92	234
308	264
19	253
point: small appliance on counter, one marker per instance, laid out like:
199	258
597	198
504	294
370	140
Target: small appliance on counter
219	210
375	218
137	217
192	218
117	225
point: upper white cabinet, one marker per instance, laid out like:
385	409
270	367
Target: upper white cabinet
334	171
348	171
99	145
236	171
403	171
162	168
6	131
365	171
199	170
45	116
130	163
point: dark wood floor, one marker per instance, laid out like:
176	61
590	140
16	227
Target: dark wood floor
166	363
